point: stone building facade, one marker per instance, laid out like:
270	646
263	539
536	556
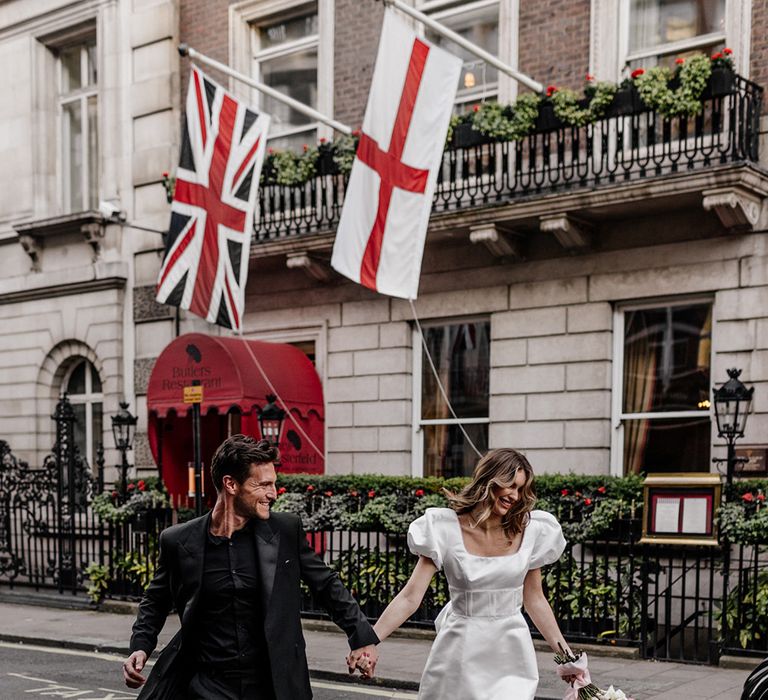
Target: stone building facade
544	308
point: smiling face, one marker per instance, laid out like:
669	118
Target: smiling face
254	497
505	498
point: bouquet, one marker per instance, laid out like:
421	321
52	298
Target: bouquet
575	666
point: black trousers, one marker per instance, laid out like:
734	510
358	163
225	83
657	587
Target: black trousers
209	684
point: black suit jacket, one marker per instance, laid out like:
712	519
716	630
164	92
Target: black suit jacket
284	559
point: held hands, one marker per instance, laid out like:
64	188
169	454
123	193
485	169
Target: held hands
132	669
364	660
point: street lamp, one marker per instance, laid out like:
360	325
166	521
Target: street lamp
733	401
123	430
271	419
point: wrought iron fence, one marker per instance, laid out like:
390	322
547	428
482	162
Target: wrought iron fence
620	147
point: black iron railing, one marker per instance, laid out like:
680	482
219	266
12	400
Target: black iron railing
617	148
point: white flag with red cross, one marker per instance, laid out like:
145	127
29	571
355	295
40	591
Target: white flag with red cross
383	226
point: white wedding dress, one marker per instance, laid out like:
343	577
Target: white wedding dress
483	649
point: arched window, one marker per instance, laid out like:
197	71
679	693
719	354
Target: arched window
83	385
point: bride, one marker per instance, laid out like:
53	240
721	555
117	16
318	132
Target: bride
491	545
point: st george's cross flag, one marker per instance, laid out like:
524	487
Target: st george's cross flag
383	226
205	267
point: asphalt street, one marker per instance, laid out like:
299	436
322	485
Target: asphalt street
28	671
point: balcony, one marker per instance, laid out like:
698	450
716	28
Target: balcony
631	157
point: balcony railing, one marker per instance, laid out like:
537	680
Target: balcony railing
617	148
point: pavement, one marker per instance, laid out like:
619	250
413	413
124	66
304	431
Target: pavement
72	623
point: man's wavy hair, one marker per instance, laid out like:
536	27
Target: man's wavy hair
495	471
236	455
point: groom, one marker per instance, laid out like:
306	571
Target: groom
233	577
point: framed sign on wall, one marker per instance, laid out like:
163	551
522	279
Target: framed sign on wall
681	508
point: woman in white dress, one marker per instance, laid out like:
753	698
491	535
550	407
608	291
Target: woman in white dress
491	545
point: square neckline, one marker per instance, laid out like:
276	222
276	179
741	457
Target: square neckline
490	556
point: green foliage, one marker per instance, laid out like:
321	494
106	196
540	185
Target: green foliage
654	89
108	507
375	577
98	582
566	103
138	566
598	591
507	123
746	609
288	168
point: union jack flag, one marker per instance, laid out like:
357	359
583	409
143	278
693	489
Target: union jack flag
205	267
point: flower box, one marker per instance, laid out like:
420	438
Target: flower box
721	82
326	165
547	120
626	101
465	136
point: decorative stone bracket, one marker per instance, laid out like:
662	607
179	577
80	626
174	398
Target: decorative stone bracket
737	207
94	236
500	242
33	248
313	268
571	233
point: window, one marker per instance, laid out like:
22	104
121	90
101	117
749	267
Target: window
661	30
663	388
83	386
479	23
78	115
285	57
461	354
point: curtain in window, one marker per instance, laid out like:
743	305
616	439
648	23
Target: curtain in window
639	383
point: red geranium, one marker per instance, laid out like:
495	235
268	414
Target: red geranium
679	61
131	487
329	493
353	493
281	491
578	493
356	133
564	492
760	497
637	72
476	108
748	497
310	488
305	147
601	489
142	486
165	173
115	494
727	51
419	492
587	501
589	77
270	151
716	56
371	494
323	139
551	90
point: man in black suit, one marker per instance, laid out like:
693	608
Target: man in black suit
234	576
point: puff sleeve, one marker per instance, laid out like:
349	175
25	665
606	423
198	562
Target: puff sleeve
549	542
423	539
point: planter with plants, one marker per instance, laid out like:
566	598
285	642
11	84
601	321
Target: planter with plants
723	76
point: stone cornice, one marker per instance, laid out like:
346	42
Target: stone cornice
92	278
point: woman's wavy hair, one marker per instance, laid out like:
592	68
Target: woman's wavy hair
495	471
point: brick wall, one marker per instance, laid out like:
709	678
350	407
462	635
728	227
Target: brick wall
758	67
204	25
358	25
554	41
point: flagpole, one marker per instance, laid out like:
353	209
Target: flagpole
185	50
464	43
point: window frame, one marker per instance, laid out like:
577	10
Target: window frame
680	46
88	398
81	95
417	422
617	395
243	18
609	37
507	50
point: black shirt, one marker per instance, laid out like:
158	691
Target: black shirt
231	618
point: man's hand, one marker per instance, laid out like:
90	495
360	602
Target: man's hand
364	660
132	669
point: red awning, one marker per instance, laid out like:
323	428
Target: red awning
229	376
